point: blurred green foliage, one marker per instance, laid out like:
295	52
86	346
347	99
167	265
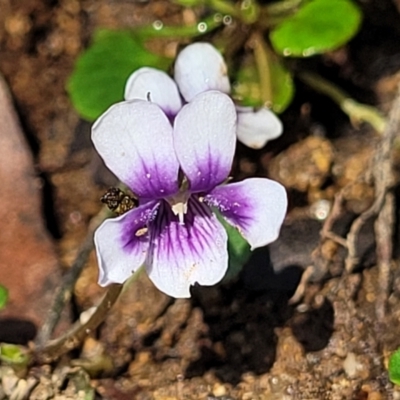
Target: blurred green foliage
3	296
296	28
394	367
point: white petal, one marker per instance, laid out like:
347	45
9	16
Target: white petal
256	128
134	138
200	67
205	139
153	85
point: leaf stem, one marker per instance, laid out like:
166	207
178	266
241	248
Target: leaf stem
224	7
202	27
283	7
263	68
274	13
357	112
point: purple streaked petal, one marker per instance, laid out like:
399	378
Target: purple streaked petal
205	139
122	244
200	67
181	255
255	206
134	138
153	85
256	128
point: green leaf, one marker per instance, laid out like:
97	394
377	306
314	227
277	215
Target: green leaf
319	26
238	249
3	296
247	87
100	73
13	354
282	86
394	367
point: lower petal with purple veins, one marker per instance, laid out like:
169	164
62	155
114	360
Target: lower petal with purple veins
182	254
122	243
256	207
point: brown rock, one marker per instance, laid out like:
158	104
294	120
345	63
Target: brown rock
28	264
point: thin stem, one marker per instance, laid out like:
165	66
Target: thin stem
224	7
247	11
275	13
283	7
64	293
357	112
202	27
71	339
221	6
262	63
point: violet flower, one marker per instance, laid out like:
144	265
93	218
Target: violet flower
177	171
200	67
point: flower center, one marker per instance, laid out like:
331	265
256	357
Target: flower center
178	205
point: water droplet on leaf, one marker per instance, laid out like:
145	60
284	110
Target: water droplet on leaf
158	25
227	20
202	27
287	52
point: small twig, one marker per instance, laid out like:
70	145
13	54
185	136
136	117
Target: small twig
326	233
335	238
336	212
383	206
357	112
384	225
382	172
352	237
71	339
301	287
384	249
64	292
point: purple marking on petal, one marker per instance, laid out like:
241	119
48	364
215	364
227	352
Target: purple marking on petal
153	85
181	255
135	228
205	139
134	138
122	243
256	207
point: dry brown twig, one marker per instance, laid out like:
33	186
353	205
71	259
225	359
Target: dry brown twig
384	225
383	208
83	327
64	292
46	350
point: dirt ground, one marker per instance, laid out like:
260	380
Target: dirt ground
244	338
